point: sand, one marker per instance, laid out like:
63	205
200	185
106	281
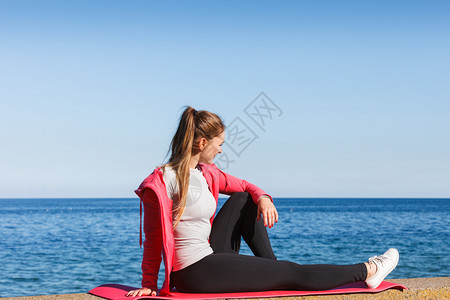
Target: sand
418	288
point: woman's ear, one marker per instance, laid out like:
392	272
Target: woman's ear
202	143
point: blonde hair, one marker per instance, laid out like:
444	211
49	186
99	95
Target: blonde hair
193	126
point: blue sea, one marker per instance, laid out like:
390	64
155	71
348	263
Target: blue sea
57	246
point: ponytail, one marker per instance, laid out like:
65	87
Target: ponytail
192	126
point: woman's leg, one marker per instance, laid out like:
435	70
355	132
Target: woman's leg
237	218
226	272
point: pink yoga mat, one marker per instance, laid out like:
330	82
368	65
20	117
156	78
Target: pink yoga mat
118	292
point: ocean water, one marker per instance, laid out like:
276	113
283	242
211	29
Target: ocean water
54	246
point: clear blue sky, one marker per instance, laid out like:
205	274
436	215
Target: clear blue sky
91	92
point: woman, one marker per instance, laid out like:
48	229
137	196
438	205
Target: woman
201	252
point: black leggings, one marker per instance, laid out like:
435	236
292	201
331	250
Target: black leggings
227	271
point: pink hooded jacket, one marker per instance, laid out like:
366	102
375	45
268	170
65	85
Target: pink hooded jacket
158	218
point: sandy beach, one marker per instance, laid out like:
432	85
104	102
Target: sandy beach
418	288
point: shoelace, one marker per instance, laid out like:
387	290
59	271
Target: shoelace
378	259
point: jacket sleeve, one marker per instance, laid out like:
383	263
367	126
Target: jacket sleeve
229	184
151	259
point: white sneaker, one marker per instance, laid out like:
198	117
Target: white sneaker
385	264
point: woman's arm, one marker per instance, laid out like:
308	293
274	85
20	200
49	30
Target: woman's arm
151	259
229	184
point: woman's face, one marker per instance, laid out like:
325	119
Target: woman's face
213	146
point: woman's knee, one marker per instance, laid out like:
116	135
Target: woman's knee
241	197
244	195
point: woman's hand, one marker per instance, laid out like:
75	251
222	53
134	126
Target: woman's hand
268	211
141	292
